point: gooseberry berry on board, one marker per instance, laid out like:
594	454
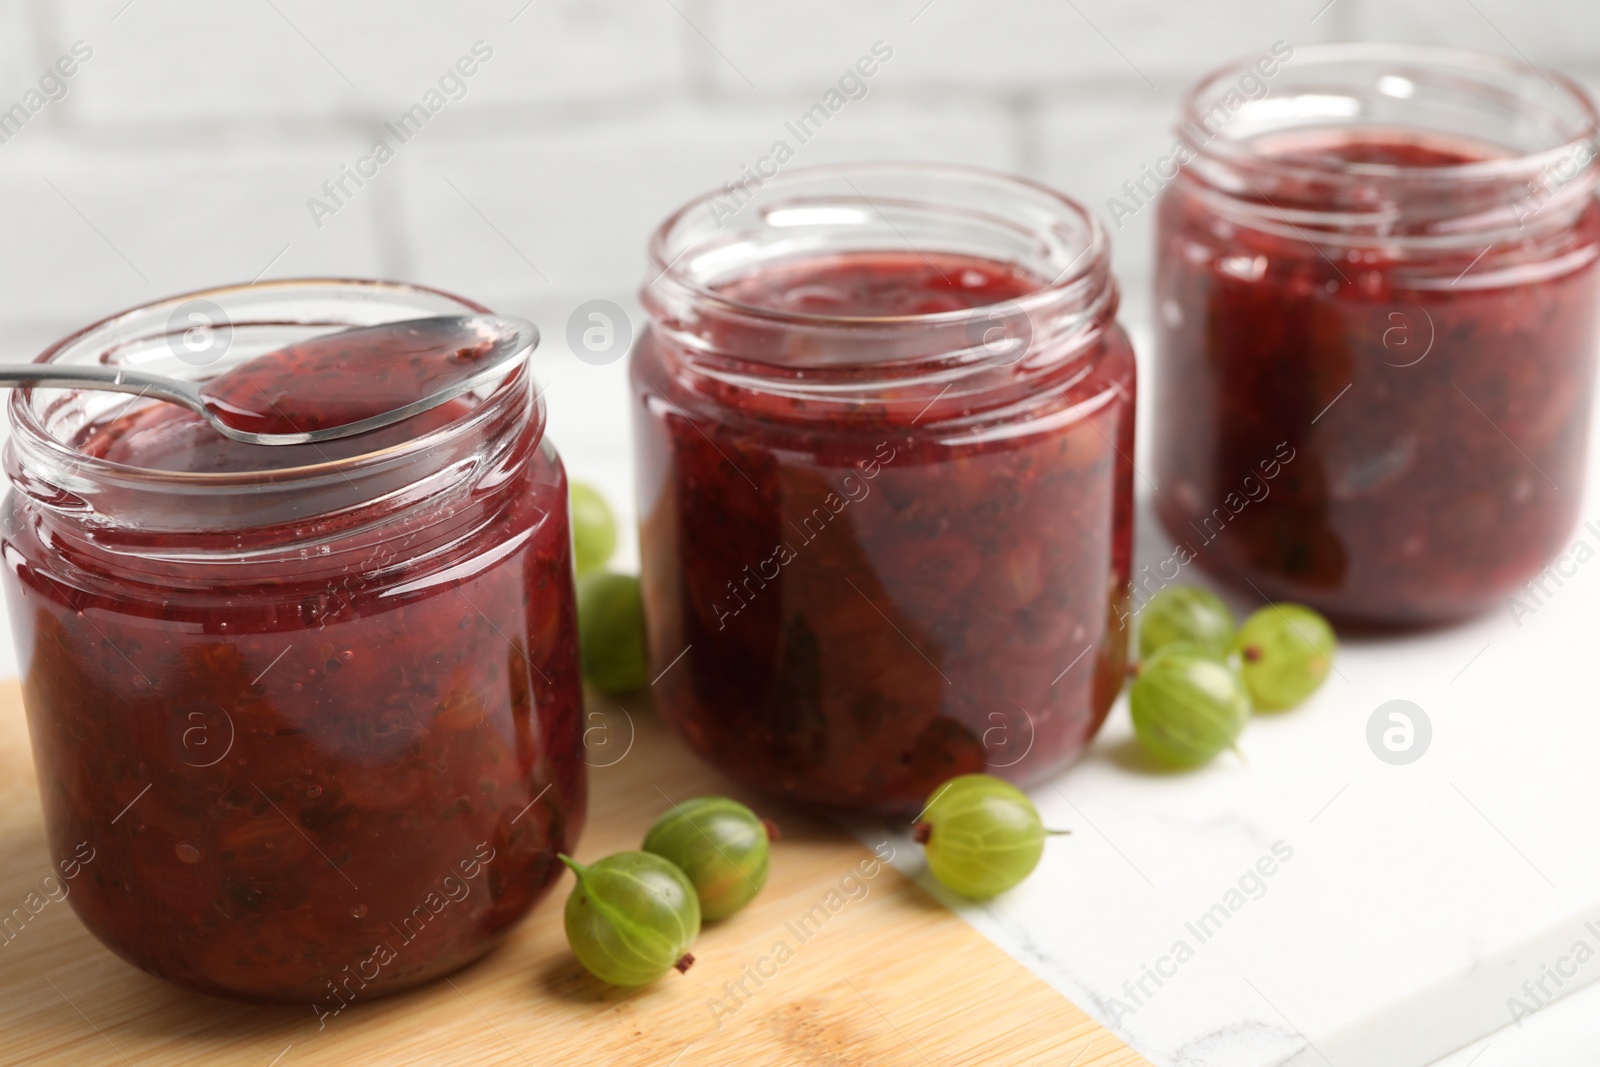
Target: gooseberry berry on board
631	918
721	845
981	835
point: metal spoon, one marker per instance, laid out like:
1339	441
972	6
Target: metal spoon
495	340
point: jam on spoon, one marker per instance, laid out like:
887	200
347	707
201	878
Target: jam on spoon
349	377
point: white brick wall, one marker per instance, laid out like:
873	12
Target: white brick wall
16	53
1008	47
1088	152
90	228
1561	34
171	61
577	200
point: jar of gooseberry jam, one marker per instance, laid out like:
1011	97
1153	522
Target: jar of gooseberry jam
884	428
1377	298
314	709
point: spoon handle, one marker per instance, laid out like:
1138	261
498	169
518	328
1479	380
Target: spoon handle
111	379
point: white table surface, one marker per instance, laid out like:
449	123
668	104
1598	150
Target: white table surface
1417	896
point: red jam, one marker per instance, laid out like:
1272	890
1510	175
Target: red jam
319	723
167	438
882	285
854	596
1421	404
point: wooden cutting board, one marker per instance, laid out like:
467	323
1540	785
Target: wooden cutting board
888	976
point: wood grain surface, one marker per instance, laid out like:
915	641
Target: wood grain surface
880	973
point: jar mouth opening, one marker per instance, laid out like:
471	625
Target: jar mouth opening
875	207
298	304
1394	87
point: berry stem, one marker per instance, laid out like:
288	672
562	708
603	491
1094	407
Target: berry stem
772	830
921	831
685	961
577	868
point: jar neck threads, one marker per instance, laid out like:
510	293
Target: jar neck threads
825	363
340	505
1427	149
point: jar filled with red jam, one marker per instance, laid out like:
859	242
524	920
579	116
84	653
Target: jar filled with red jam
884	428
1377	298
313	709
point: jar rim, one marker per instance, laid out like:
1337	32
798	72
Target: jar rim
30	431
974	360
1088	270
1583	132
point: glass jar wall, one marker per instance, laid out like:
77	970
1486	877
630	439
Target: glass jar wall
1377	301
315	709
883	424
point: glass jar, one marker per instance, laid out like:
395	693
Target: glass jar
314	709
883	428
1377	297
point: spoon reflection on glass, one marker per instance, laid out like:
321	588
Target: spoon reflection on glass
334	385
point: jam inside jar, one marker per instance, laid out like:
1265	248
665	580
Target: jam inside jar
884	428
1377	299
314	710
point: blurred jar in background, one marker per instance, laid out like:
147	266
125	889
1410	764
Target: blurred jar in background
1376	295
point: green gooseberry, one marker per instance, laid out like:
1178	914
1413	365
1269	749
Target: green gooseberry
1186	614
721	845
1285	652
631	918
981	835
1187	706
611	632
594	528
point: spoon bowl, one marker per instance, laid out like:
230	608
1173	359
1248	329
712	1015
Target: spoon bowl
334	385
